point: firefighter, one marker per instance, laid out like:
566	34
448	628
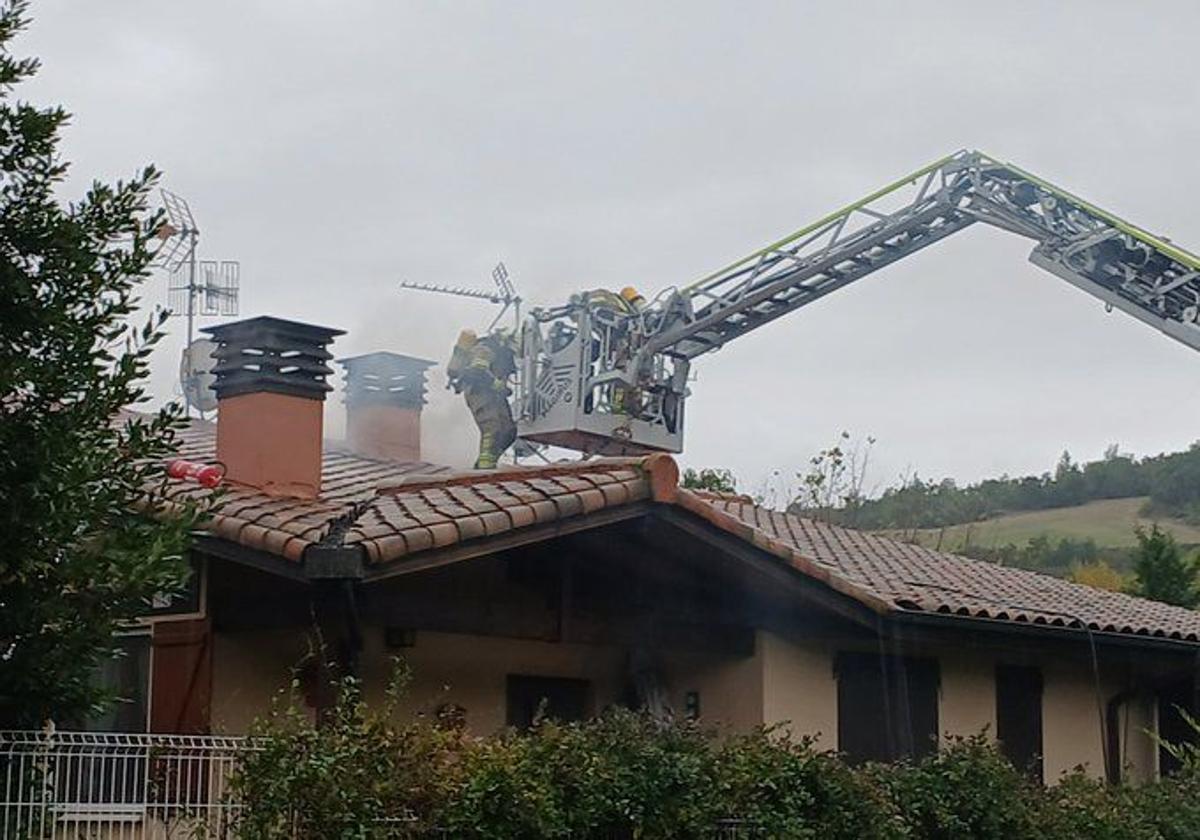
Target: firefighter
627	400
480	370
633	298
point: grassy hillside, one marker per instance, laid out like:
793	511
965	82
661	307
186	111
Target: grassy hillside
1108	523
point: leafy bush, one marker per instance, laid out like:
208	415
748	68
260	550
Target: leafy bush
364	774
966	790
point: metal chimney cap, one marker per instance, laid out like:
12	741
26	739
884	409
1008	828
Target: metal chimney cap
385	378
385	359
272	354
269	322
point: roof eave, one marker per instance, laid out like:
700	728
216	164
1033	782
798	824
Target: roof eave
1081	635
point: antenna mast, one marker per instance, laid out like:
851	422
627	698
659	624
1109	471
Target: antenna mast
505	294
217	281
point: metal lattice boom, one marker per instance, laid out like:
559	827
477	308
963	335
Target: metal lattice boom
601	380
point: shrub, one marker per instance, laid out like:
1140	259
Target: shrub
966	790
364	774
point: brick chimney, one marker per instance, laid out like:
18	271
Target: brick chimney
384	395
270	384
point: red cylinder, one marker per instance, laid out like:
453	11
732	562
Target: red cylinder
206	475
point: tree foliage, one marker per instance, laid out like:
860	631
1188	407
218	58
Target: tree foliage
1098	575
1170	481
78	556
1161	571
712	479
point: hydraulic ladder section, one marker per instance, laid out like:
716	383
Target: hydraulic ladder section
578	358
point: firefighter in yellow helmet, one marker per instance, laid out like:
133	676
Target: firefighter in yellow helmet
625	399
480	370
633	298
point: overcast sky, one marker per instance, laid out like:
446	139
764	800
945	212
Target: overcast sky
335	148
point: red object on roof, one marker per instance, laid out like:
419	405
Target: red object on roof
206	475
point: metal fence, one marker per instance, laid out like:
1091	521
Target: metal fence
115	786
112	786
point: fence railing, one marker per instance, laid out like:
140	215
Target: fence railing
112	786
115	786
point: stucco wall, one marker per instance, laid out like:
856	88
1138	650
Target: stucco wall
785	680
471	672
730	689
799	688
967	700
1139	752
1071	732
249	669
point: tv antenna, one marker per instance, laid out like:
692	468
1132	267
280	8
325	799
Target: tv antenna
196	288
505	294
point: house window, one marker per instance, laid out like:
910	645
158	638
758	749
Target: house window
887	707
1019	717
127	678
555	698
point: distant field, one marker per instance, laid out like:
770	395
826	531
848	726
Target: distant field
1109	523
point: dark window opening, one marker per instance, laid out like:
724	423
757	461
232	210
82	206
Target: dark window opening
126	677
106	773
887	707
1172	727
554	698
1019	717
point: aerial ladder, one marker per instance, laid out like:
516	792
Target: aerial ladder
601	379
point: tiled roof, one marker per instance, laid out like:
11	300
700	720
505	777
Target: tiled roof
287	526
412	515
890	575
397	510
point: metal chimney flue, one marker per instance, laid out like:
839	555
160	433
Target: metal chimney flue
384	394
271	385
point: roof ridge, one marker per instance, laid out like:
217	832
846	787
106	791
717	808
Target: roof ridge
724	496
427	481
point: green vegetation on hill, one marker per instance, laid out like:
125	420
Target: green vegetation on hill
1094	543
1108	523
1169	484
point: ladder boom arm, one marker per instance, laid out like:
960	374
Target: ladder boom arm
1144	275
605	378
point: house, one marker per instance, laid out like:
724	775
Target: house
582	585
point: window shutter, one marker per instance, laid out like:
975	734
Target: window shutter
1019	717
181	677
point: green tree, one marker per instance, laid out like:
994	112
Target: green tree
84	545
713	480
1162	572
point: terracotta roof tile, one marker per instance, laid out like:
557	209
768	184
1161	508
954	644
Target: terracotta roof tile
521	516
396	510
903	577
496	522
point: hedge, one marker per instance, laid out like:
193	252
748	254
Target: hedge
365	773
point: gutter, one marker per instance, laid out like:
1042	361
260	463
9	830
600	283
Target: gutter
944	621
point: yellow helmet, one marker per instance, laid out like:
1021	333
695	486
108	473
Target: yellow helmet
632	295
467	338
